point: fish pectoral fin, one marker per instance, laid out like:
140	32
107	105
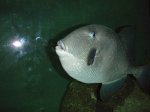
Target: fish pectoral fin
91	56
144	79
108	90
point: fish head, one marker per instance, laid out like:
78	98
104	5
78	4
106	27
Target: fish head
82	53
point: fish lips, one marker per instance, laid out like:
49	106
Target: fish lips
61	45
61	48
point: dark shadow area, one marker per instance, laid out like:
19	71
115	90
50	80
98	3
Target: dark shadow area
9	109
149	7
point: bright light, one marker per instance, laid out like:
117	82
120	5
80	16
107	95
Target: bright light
17	43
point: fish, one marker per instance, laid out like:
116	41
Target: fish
97	54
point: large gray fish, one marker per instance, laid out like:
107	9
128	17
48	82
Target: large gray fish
97	54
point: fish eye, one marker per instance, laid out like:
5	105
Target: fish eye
92	35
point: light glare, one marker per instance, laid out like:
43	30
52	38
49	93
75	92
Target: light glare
17	44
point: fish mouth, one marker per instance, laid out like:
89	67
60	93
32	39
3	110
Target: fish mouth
62	50
61	45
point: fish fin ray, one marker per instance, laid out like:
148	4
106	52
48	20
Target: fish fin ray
108	90
144	79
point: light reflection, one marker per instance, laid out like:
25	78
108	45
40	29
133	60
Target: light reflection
37	38
18	43
19	46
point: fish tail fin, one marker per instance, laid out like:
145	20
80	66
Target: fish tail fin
144	79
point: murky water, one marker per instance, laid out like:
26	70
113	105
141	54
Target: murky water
31	77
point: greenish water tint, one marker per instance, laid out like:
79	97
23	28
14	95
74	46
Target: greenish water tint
31	77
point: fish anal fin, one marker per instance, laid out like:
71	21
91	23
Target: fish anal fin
144	79
108	90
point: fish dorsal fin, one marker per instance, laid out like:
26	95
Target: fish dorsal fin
127	34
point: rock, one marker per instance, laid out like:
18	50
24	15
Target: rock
81	98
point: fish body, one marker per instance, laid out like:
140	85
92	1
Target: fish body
109	62
95	54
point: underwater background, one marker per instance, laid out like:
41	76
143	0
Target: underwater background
31	77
